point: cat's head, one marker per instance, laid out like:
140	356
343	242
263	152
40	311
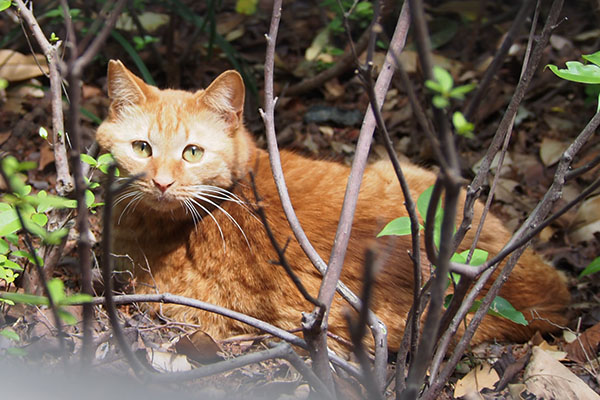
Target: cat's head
182	142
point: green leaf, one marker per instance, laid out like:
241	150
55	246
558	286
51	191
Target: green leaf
55	237
66	316
40	219
4	4
9	222
3	246
460	91
26	165
398	227
106	159
246	7
501	307
462	126
479	257
45	202
43	133
90	198
444	78
433	86
423	202
12	238
593	58
10	334
25	298
77	298
12	265
56	287
440	102
16	351
88	160
592	268
27	255
577	72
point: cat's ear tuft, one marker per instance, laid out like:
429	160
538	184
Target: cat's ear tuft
124	88
226	93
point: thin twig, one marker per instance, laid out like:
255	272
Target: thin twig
342	65
168	298
64	182
74	69
450	180
283	350
464	285
474	189
498	60
358	327
280	251
583	169
107	268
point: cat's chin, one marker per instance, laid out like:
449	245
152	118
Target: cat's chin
164	204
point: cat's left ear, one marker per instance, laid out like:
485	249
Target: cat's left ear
225	94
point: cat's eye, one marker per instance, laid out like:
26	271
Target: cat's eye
192	153
142	148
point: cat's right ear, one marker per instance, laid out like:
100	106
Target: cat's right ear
124	88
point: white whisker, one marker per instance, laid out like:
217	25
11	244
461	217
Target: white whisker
218	193
200	197
138	197
213	218
124	196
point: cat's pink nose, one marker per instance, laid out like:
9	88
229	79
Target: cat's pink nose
162	186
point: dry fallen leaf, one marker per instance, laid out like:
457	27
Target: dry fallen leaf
551	151
167	362
46	156
586	346
200	347
547	378
586	222
481	377
15	66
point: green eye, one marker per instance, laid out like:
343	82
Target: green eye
142	148
192	153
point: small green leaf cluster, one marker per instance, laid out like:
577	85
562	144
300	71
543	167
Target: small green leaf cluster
141	42
246	7
582	73
401	227
56	289
32	207
362	13
14	336
443	87
101	164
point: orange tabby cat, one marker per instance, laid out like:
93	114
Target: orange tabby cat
186	227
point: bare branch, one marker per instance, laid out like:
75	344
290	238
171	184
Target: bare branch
358	327
107	269
64	182
342	65
280	251
498	60
168	298
505	125
98	42
283	350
